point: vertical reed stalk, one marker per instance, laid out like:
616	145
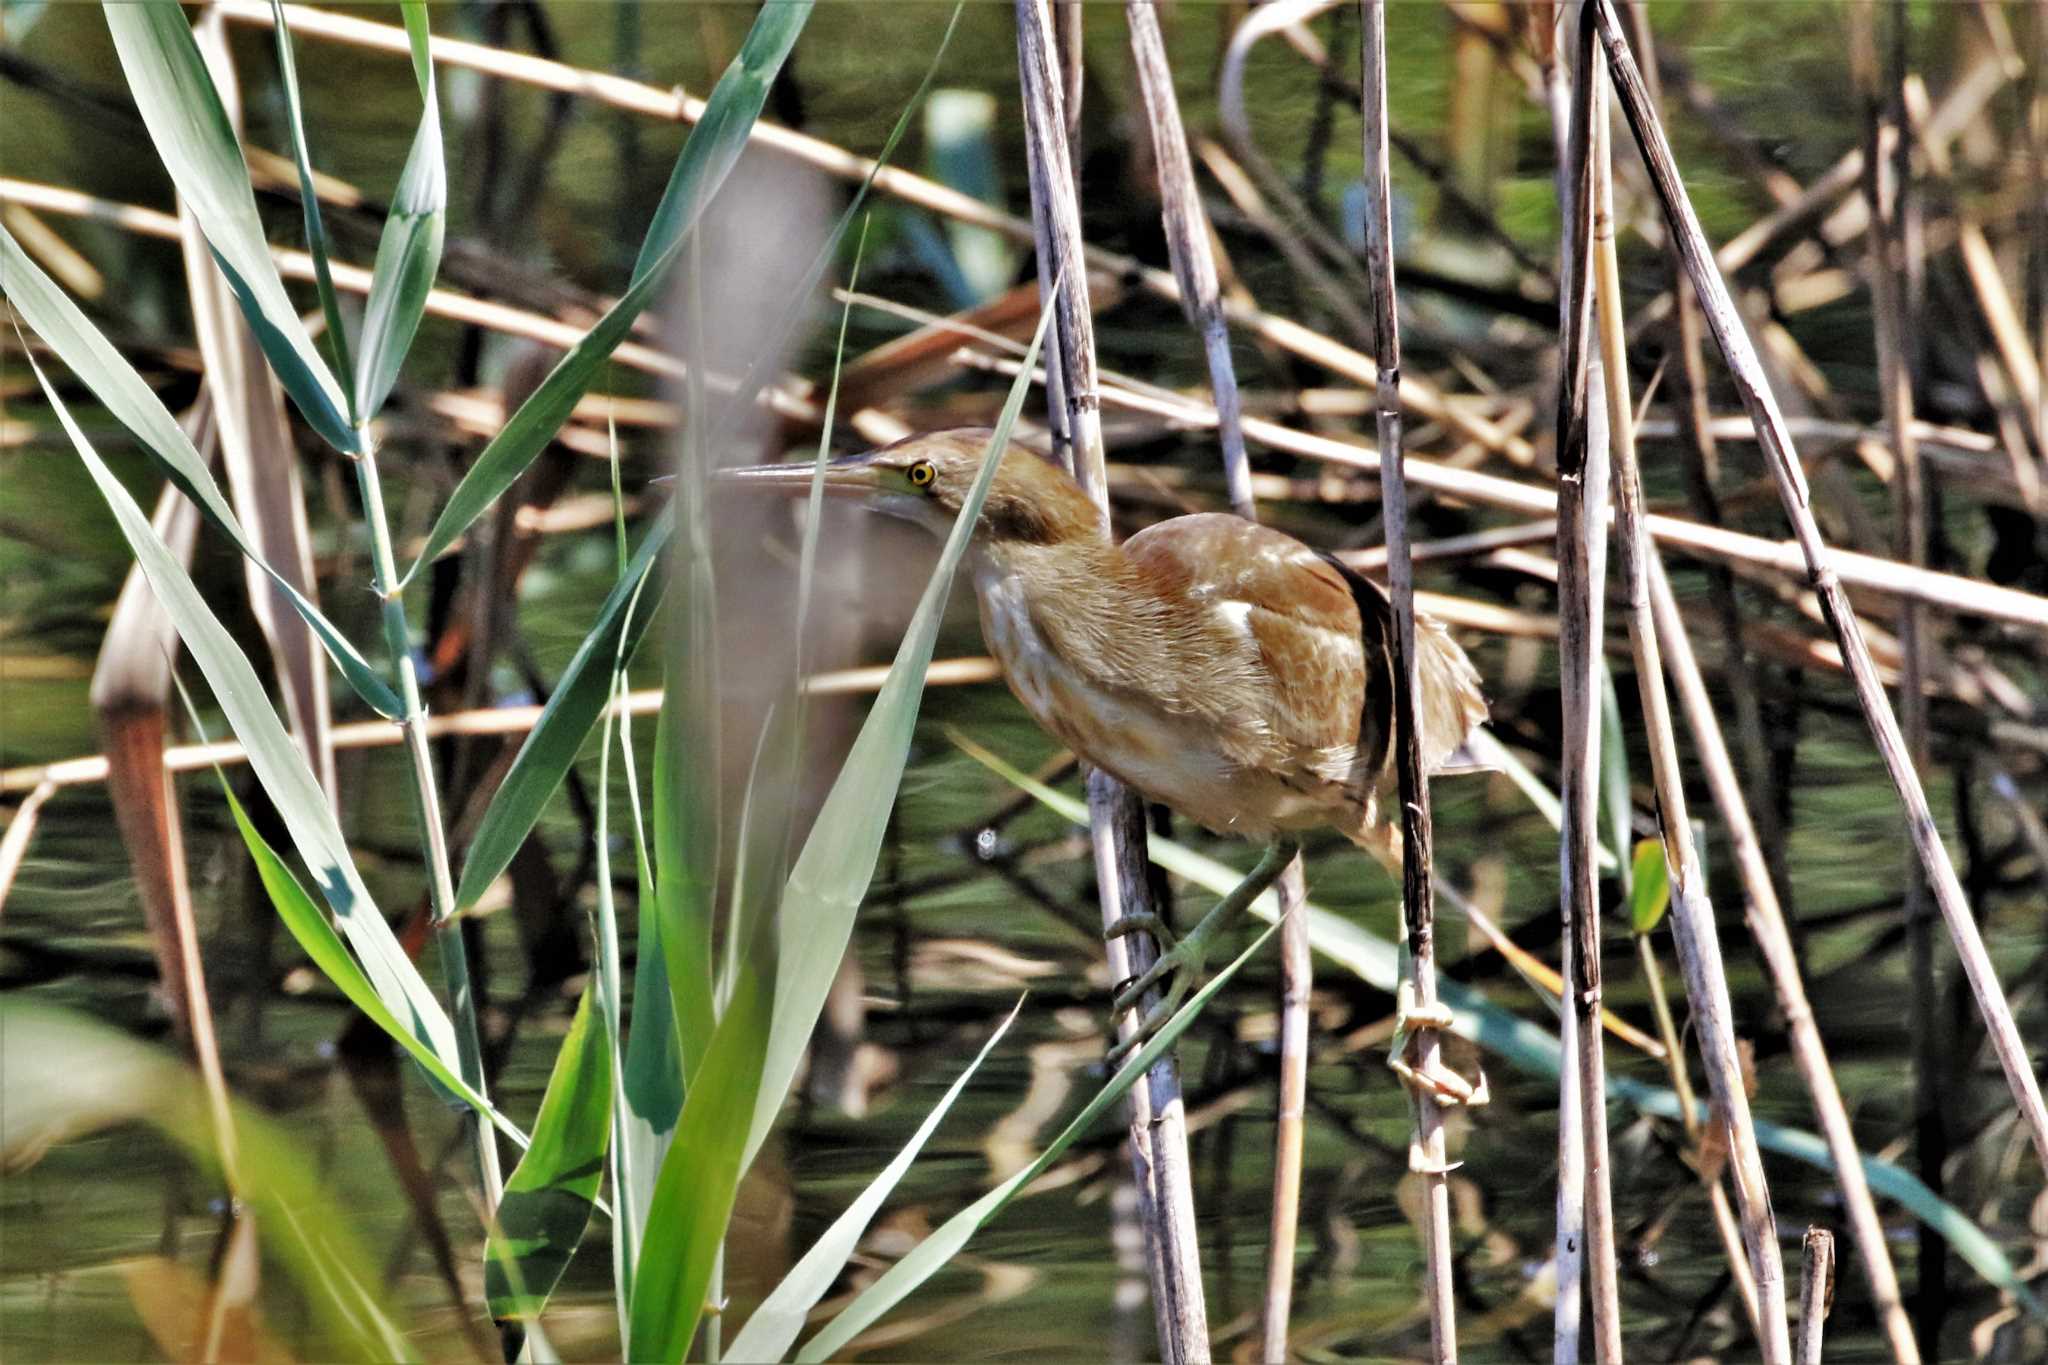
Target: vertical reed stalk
462	1007
1427	1157
1582	571
1816	1292
1158	1128
1767	927
1694	409
1542	21
1726	324
1692	916
1884	190
1194	267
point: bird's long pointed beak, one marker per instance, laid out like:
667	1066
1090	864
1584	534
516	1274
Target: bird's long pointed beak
851	478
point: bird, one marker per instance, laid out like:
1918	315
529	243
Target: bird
1218	666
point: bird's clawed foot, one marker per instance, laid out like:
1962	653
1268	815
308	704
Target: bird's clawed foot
1180	960
1434	1078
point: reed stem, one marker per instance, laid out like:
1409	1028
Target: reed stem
1427	1157
1733	339
1158	1127
1692	915
462	1005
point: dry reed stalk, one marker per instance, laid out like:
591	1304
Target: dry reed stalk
1884	190
1823	577
674	106
490	720
1427	1157
21	830
1582	473
1194	268
1158	1128
1816	1292
1692	915
1695	419
1945	591
1768	928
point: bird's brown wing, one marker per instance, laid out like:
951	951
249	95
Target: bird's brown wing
1289	617
1323	637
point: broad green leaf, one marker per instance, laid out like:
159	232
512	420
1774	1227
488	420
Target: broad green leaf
933	1254
838	859
309	200
713	148
185	118
409	252
317	938
780	987
686	856
59	322
277	761
1649	894
700	1174
774	1327
68	1075
1534	1050
548	1200
574	706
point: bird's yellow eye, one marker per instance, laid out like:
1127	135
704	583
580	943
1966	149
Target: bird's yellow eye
922	474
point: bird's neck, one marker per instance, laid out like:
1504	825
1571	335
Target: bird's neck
1079	599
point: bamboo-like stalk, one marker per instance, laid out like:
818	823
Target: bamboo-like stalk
1884	192
1767	927
1428	1157
1582	473
1816	1292
1695	421
1194	267
1692	916
1736	349
454	957
1158	1128
1725	1223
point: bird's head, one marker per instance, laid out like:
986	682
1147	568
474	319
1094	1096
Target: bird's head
926	479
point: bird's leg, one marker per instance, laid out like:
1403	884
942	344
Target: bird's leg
1183	960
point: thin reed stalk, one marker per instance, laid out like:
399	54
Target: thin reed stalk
1695	420
1193	258
1158	1127
1428	1157
1884	190
1692	915
1768	928
1726	324
1816	1292
426	799
1582	474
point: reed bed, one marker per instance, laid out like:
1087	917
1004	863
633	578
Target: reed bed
727	885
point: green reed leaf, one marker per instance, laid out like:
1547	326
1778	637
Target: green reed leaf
52	315
309	201
572	708
1649	892
409	252
69	1075
713	148
183	113
277	761
548	1200
775	1325
935	1252
838	859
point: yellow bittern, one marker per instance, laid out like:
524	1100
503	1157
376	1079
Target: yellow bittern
1218	666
